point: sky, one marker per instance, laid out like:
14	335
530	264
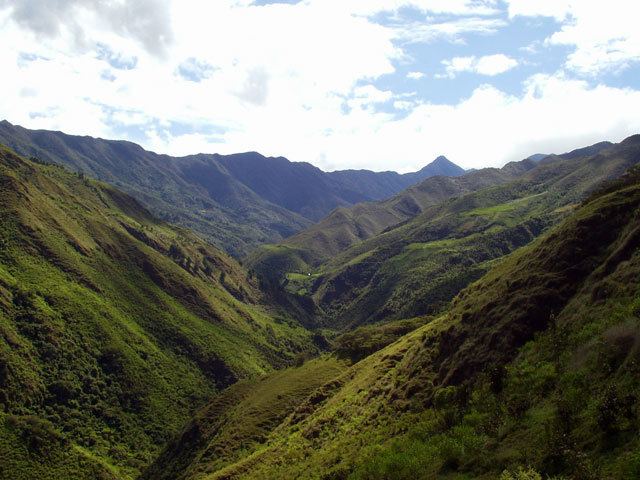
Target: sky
375	84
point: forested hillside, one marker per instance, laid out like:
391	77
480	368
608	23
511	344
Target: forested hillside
416	267
114	327
531	371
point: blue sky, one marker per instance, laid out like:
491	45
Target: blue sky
378	84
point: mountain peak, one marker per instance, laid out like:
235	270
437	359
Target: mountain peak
442	166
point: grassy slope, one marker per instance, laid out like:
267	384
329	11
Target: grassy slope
31	448
114	326
418	267
536	364
237	421
345	227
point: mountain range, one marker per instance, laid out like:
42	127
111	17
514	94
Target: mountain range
450	237
235	201
477	325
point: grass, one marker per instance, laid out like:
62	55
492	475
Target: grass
195	192
239	420
27	453
532	373
502	208
345	228
115	327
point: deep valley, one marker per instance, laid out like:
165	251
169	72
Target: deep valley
480	324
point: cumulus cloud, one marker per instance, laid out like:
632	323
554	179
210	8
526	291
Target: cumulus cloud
604	35
256	87
313	80
559	9
147	21
195	70
489	65
453	7
491	127
415	75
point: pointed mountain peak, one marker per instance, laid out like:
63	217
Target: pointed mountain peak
442	166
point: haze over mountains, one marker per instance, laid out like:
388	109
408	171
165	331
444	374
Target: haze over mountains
236	201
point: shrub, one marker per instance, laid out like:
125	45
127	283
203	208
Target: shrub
38	433
615	412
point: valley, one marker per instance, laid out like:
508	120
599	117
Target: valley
235	202
483	325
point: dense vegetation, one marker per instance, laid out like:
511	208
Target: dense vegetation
235	202
485	326
418	266
531	372
114	327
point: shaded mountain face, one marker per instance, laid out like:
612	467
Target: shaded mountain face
121	336
530	373
536	157
113	326
236	201
312	193
416	267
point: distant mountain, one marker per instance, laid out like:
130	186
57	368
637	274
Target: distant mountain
536	157
440	166
345	227
235	201
418	266
594	149
409	255
577	153
304	189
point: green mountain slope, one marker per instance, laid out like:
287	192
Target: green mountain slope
239	419
235	201
113	326
533	368
345	227
417	267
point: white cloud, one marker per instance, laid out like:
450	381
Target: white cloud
453	30
371	7
415	75
403	104
492	127
489	65
605	35
368	96
558	9
147	21
297	80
